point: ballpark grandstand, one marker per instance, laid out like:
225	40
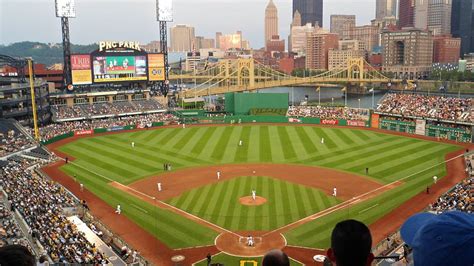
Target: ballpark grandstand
120	177
117	158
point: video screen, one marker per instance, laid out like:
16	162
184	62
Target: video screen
119	68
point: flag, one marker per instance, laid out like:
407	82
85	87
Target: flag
318	88
371	90
343	89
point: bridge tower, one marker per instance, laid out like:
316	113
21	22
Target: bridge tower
355	68
246	73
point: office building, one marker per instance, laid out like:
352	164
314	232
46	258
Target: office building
182	38
271	22
311	11
462	24
339	23
406	13
317	49
385	8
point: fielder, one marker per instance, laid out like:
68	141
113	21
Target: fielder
218	175
322	140
240	142
435	179
159	186
133	144
184	125
334	191
250	242
82	187
254	195
118	210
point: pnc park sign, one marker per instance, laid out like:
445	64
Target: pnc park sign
109	45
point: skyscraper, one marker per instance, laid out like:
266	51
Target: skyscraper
385	8
182	38
406	13
317	49
339	23
433	15
311	11
271	21
462	24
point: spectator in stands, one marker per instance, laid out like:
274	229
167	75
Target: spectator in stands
459	198
351	244
325	112
16	255
276	258
433	106
444	239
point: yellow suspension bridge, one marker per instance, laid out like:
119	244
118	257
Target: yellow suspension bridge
248	74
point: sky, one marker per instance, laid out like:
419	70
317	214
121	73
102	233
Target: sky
97	20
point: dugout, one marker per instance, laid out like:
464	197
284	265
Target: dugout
242	103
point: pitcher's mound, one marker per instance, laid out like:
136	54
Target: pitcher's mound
249	201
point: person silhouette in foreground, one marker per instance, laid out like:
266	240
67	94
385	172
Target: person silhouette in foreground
276	258
351	244
16	255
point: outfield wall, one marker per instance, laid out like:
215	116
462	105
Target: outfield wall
242	103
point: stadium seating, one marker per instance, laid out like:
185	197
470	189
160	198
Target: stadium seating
85	111
329	112
433	106
12	139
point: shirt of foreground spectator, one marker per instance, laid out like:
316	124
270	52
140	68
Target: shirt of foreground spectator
440	240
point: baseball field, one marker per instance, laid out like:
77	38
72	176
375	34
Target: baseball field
288	166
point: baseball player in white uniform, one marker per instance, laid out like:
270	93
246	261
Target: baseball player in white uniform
82	187
159	186
334	192
133	144
240	142
254	195
435	179
322	140
218	175
118	210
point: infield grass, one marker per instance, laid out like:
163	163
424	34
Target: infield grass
388	157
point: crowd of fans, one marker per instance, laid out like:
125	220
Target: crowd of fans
11	139
329	112
461	197
141	121
102	109
40	202
10	233
433	106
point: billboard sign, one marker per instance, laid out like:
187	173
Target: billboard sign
420	128
112	68
81	69
164	10
156	67
65	8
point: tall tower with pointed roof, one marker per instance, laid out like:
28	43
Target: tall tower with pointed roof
271	21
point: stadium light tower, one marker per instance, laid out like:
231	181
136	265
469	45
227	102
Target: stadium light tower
66	9
164	14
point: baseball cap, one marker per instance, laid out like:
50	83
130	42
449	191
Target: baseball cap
444	239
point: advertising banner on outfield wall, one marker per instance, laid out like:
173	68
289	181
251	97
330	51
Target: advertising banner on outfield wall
81	69
355	123
329	122
294	120
420	127
83	132
375	120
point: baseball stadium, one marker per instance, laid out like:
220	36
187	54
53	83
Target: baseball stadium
133	162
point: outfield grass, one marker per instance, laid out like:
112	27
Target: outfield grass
235	261
389	158
286	203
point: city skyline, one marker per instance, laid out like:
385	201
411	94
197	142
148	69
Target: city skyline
90	26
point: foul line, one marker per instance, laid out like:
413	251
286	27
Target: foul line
161	202
358	198
141	209
364	210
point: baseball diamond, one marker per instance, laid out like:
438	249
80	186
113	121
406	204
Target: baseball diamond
285	164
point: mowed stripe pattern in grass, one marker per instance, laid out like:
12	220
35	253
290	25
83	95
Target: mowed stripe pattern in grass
388	157
286	203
